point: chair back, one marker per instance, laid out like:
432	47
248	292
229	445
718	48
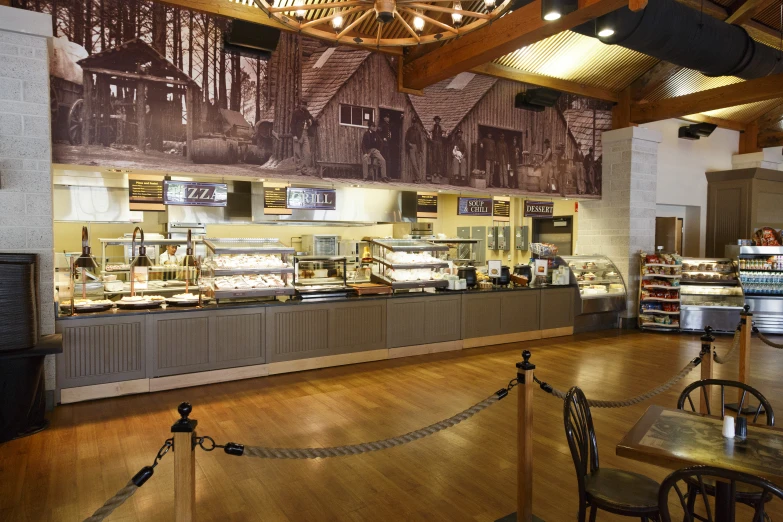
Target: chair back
703	387
682	478
580	435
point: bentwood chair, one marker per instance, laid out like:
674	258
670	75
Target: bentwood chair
735	480
745	493
613	490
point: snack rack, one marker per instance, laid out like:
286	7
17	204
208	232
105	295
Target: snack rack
402	275
659	292
250	275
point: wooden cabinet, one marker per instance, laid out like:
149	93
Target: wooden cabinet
413	321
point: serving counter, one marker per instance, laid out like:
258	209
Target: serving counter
120	352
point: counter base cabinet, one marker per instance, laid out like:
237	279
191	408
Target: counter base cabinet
557	308
423	320
97	352
500	313
305	331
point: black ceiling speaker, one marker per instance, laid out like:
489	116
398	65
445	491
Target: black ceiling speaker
536	99
686	133
696	131
251	40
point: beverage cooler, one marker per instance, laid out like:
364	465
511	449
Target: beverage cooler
761	277
710	294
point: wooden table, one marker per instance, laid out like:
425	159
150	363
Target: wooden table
676	439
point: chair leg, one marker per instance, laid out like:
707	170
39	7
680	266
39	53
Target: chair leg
692	492
593	513
582	515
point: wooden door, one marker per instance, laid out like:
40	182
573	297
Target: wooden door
666	233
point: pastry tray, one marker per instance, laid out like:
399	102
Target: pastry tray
409	245
247	246
408	285
250	271
139	305
411	266
239	293
89	309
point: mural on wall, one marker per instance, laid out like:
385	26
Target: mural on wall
140	85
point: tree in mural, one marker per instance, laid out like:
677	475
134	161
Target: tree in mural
285	75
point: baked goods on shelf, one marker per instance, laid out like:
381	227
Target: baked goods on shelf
245	282
247	262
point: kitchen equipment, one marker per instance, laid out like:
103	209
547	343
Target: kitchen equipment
468	273
523	270
505	276
320	244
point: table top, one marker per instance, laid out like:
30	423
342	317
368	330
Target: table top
676	439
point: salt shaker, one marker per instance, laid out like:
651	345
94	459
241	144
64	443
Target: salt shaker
728	427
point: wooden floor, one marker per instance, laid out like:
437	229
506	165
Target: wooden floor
465	473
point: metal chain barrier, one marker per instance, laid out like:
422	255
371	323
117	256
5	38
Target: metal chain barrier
130	488
766	339
232	448
628	402
734	345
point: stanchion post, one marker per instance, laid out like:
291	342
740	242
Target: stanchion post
184	431
525	438
746	330
706	366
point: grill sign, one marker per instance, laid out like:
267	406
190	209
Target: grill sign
539	209
195	194
474	207
311	198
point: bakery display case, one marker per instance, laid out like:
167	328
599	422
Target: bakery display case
710	294
247	268
406	264
320	276
659	291
761	277
601	287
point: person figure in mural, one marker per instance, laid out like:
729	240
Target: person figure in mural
546	175
579	172
385	134
514	156
459	159
487	145
300	119
414	145
502	154
588	165
371	153
562	170
436	150
305	151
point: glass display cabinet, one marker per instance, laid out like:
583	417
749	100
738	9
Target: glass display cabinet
406	264
710	294
320	276
761	277
601	287
247	269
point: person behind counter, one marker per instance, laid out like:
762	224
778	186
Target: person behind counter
170	257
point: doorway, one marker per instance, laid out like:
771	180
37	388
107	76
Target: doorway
391	130
558	231
668	234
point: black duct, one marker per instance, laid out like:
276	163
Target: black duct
676	33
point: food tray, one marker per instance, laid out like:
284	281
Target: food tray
251	271
408	285
180	302
88	308
409	245
238	293
140	305
247	246
408	266
371	288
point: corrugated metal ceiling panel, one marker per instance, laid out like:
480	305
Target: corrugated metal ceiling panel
687	81
575	57
770	16
744	113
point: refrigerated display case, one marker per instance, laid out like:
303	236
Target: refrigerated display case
320	276
710	294
761	277
601	286
406	264
247	268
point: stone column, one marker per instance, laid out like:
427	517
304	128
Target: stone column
622	223
26	151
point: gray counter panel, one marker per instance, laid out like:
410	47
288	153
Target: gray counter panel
423	320
482	315
519	312
557	308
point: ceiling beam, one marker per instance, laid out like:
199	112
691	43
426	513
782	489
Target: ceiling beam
770	139
509	33
756	30
653	78
749	91
747	10
720	122
771	118
508	73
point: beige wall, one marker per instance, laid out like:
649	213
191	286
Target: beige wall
68	235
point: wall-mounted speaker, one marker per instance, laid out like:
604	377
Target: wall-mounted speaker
251	40
536	99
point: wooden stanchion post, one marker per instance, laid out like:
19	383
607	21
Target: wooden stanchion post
746	330
706	367
184	431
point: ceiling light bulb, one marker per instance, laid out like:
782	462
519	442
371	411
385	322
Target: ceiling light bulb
457	17
551	15
300	13
418	24
337	21
490	4
606	32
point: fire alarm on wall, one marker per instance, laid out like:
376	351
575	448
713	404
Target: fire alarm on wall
576	206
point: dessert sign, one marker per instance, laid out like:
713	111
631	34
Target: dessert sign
311	198
195	194
539	209
145	193
427	204
275	201
474	207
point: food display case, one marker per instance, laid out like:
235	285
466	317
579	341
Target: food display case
761	277
406	264
601	287
320	276
710	294
461	251
659	291
247	268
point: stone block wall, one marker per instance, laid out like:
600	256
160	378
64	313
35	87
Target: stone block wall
26	150
622	223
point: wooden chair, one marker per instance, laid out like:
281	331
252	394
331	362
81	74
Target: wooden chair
703	475
745	494
613	490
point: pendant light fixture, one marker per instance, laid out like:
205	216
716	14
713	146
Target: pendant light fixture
456	16
552	10
604	25
299	14
418	23
338	20
489	4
